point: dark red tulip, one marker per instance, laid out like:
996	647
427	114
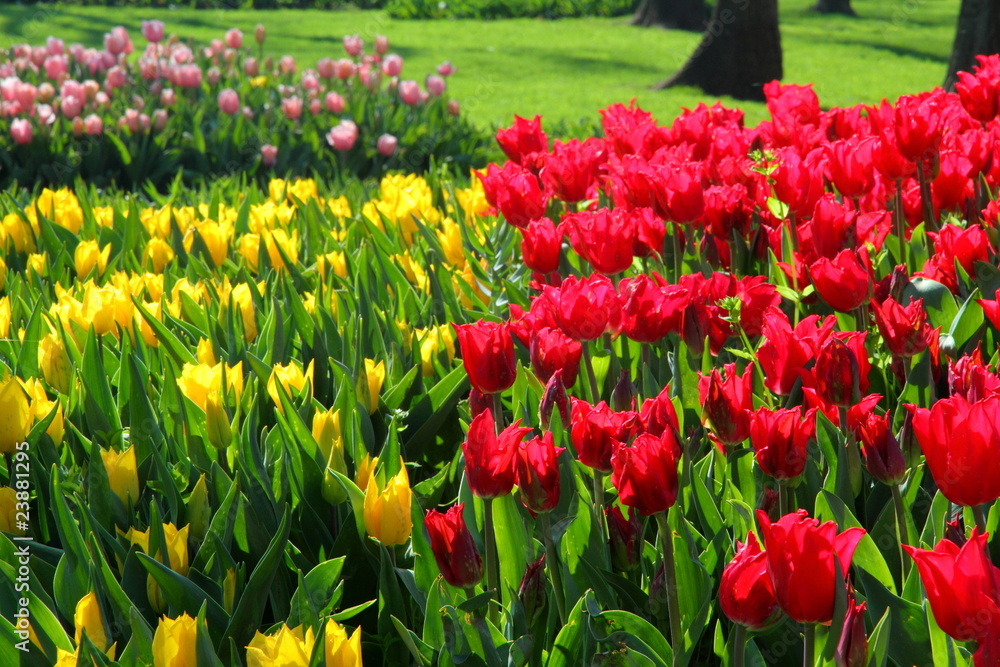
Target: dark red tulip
882	452
904	329
780	439
537	467
551	351
541	244
479	402
489	459
596	429
454	549
800	560
844	282
971	378
645	473
626	538
852	647
533	589
726	402
746	594
962	586
554	398
841	371
961	442
488	355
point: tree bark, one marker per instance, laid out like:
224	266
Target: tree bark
834	7
739	52
978	33
674	14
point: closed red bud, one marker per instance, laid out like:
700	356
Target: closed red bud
626	538
780	439
479	402
488	355
658	415
454	549
746	594
533	590
725	404
838	374
645	473
541	245
624	394
524	141
537	473
552	350
852	648
555	397
883	455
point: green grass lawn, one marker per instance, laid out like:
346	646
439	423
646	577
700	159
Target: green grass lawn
567	69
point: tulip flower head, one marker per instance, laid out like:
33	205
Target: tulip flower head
387	508
454	549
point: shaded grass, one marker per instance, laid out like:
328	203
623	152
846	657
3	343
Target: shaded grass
567	69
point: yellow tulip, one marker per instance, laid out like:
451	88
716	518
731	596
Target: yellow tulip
5	317
243	301
366	466
157	254
303	189
17	416
146	331
387	511
177	557
40	409
38	264
289	246
276	190
65	659
473	199
451	241
215	236
375	376
61	207
206	353
87	618
326	432
123	477
8	512
89	255
19	233
286	648
197	381
335	260
291	378
339	207
3	272
57	369
220	433
341	651
249	247
175	642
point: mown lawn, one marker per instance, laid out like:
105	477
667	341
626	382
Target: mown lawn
567	69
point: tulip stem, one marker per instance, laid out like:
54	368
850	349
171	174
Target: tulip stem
901	530
498	418
783	497
925	198
809	645
678	253
900	220
552	564
492	563
979	512
602	520
739	645
588	363
646	375
670	576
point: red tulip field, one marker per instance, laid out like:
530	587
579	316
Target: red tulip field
294	375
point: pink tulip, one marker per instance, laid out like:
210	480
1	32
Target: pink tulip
287	65
73	88
159	119
45	113
315	106
386	144
333	102
101	99
38	55
149	69
78	52
310	82
229	101
269	155
234	38
445	69
343	136
56	66
353	45
260	33
326	68
153	31
392	65
453	107
93	124
435	85
54	46
168	97
116	78
71	107
21	131
251	67
344	68
381	44
117	41
189	76
26	94
46	92
216	46
292	107
213	75
409	92
78	127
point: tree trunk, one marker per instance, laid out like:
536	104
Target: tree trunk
674	14
978	33
739	53
834	7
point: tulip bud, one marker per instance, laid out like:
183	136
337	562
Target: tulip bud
883	455
658	594
624	394
260	33
8	512
554	397
199	511
537	473
87	618
838	374
220	433
122	475
852	648
746	594
954	531
57	369
175	642
479	402
532	591
626	538
374	377
387	509
326	432
454	549
229	590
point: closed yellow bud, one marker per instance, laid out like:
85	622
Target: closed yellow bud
205	352
146	331
88	256
197	381
375	375
17	415
199	511
341	651
291	378
122	475
229	590
57	427
57	369
326	432
242	300
289	246
19	233
334	260
285	648
157	254
64	658
220	433
387	511
61	207
38	264
3	272
8	512
175	642
216	238
5	317
176	559
366	466
87	618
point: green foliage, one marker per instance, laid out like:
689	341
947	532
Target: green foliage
505	9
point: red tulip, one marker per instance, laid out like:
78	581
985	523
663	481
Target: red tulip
746	594
962	586
980	92
555	397
850	165
965	246
726	403
454	550
658	416
489	459
845	282
596	429
541	244
571	170
645	473
840	375
904	329
852	647
800	560
537	467
961	441
626	538
971	378
786	352
552	351
919	124
488	355
533	589
883	455
603	237
586	308
991	308
780	439
524	142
